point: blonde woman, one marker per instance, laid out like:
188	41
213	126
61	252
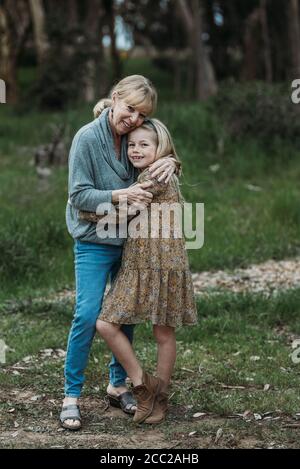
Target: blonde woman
99	172
153	284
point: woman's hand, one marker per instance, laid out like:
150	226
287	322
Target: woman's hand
164	168
136	194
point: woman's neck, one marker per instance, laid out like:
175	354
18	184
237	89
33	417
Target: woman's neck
116	136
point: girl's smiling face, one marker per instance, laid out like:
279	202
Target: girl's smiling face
142	146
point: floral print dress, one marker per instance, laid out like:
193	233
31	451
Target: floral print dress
154	282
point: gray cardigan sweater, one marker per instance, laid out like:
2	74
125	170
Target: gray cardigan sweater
94	172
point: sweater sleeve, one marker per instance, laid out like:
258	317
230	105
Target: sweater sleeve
82	192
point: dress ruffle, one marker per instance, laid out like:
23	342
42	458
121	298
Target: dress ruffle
164	297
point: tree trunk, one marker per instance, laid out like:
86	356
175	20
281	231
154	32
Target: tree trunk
204	82
115	58
294	36
96	76
266	41
14	25
250	68
72	10
40	35
205	79
8	68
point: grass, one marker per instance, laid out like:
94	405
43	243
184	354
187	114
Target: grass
215	370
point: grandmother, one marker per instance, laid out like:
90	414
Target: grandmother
100	172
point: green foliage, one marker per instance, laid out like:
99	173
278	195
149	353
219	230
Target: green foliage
259	110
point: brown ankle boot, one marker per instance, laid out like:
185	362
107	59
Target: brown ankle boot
160	409
145	395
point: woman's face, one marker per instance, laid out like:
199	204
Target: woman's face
125	118
142	146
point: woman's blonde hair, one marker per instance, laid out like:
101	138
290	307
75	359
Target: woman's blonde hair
137	90
165	145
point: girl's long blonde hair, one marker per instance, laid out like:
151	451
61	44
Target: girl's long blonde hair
165	145
136	90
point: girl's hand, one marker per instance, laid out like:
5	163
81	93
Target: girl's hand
163	169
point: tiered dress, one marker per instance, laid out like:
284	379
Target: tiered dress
154	282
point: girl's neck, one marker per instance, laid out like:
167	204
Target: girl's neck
144	169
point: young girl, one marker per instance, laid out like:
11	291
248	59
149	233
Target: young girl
154	283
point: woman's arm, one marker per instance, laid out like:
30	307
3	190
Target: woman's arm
164	168
82	192
136	193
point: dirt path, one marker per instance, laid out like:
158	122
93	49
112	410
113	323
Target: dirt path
30	421
267	277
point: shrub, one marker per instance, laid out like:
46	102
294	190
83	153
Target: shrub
259	110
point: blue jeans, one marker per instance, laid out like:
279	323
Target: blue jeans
93	265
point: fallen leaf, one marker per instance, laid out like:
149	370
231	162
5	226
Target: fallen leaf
295	343
214	168
247	414
47	351
27	359
199	415
186	369
253	188
218	435
226	386
267	387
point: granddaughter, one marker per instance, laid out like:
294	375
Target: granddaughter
153	284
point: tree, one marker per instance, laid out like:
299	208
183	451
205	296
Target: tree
74	67
191	14
266	41
39	27
14	26
110	20
294	36
95	83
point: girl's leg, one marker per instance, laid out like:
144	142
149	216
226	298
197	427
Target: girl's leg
146	387
122	349
166	353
